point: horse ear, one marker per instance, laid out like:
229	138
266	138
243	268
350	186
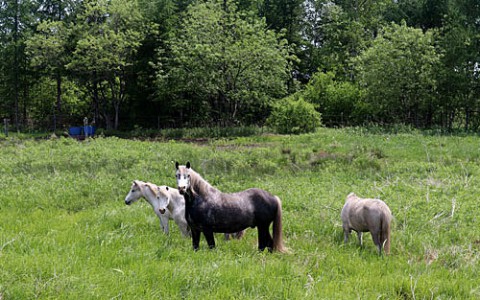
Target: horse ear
176	165
188	165
135	182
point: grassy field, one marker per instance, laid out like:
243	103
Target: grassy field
65	232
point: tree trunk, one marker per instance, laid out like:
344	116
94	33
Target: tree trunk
467	118
117	110
15	62
59	98
96	101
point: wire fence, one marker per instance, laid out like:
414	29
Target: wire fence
61	123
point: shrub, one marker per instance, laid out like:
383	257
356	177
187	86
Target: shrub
336	100
291	116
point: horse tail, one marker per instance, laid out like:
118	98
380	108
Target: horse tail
386	234
277	229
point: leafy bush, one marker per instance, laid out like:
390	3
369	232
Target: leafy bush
291	116
338	101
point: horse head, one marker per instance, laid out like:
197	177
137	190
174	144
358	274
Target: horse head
183	177
135	192
163	197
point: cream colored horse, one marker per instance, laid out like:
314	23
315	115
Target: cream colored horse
367	215
167	203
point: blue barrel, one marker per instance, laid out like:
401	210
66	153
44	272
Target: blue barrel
89	130
74	131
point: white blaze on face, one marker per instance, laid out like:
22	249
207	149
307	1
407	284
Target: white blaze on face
183	179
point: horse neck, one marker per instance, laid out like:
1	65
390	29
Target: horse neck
200	186
149	195
175	199
189	196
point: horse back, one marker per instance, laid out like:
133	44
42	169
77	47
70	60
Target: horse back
263	204
229	213
366	214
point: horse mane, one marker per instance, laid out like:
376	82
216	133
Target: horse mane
153	188
199	185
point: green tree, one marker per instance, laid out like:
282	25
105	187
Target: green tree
425	14
43	95
109	34
49	52
223	64
459	76
398	74
49	46
16	21
285	16
336	31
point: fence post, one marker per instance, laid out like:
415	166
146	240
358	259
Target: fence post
5	123
85	127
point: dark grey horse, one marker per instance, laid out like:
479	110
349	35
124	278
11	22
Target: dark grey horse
208	210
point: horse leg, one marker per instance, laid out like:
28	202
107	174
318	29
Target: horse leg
179	218
269	241
184	228
264	238
209	237
195	239
163	220
235	235
346	234
377	241
164	223
360	237
239	235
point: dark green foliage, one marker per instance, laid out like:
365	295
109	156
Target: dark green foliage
159	64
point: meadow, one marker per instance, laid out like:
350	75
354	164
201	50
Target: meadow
66	233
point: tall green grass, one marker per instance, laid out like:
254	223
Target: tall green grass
65	232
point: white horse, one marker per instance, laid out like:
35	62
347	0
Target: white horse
167	203
367	215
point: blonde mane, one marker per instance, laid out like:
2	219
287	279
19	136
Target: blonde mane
153	187
202	187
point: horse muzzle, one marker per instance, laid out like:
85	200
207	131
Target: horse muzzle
128	202
161	210
182	190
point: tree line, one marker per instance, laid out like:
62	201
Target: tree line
173	63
